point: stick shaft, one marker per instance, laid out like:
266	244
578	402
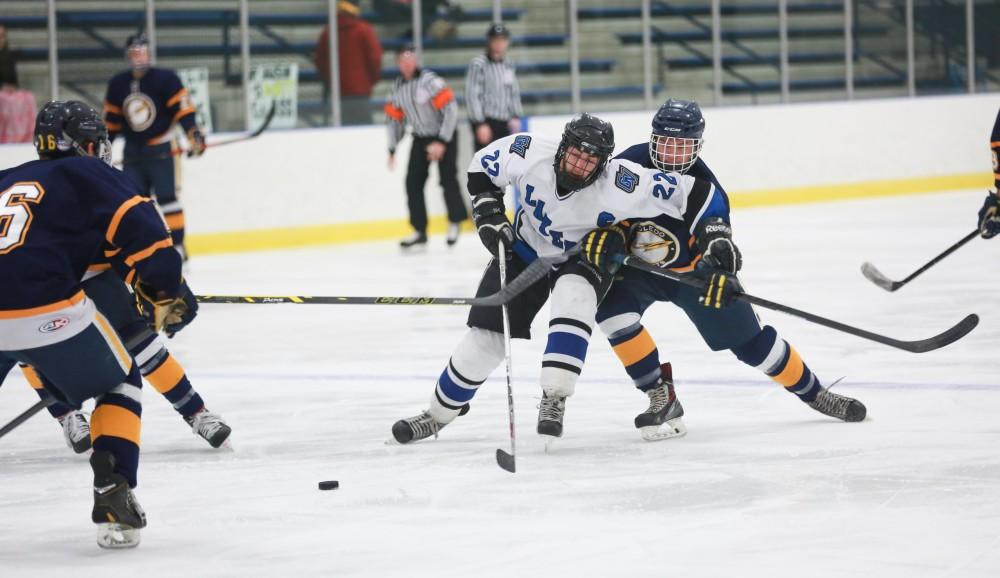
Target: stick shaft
937	259
506	352
26	415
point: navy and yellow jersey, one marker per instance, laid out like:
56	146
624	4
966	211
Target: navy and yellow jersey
56	217
667	241
995	147
145	110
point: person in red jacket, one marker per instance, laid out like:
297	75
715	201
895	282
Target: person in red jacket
360	63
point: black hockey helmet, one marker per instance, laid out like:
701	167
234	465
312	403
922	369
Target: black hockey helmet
676	140
136	40
590	135
64	129
497	30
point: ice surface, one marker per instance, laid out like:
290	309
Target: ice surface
761	486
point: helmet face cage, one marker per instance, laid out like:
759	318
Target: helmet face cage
674	154
593	140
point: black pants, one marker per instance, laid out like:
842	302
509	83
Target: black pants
500	128
416	178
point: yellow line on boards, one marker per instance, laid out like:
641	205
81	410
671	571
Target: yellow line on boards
291	237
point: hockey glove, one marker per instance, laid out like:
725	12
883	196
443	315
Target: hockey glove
715	242
605	248
196	143
989	217
490	216
720	287
169	314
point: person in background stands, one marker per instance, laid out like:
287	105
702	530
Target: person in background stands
492	95
421	99
17	106
360	63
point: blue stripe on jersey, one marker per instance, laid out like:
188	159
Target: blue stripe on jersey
567	344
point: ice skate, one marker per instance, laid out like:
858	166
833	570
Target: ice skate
550	418
116	511
210	427
839	406
453	231
416	241
662	419
419	427
76	431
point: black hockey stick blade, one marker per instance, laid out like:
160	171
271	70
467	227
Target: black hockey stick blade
872	273
506	461
951	335
875	276
26	415
267	120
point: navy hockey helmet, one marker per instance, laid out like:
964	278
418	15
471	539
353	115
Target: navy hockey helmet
136	41
72	128
589	135
676	140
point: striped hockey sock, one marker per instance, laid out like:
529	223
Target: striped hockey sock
779	360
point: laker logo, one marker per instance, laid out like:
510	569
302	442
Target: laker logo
54	325
626	180
654	244
520	145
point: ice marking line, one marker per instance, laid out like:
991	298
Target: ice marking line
430	378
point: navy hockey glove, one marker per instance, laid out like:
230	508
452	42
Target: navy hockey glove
490	216
715	242
989	217
196	143
170	314
605	248
720	287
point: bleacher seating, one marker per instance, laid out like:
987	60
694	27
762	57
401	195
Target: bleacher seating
660	9
660	36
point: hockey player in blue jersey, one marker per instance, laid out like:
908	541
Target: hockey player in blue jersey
701	242
57	214
989	215
144	104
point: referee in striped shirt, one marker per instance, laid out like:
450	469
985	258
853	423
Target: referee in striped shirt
492	94
421	99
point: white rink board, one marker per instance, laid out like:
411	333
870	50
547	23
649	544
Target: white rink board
329	176
762	486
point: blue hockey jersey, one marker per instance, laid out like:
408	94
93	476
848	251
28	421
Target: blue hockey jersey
144	110
57	216
667	241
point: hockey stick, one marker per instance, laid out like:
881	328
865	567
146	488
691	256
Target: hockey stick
538	269
26	415
938	341
875	276
505	460
178	152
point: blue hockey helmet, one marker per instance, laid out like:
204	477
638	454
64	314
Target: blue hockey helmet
590	135
72	128
676	140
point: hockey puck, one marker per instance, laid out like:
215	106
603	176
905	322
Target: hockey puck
329	485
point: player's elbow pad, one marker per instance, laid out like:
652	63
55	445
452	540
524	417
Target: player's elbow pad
479	184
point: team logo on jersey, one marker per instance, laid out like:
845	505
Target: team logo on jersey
140	112
626	180
520	145
54	325
654	244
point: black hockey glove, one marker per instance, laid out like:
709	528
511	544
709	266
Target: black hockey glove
715	242
989	217
720	287
490	216
170	314
196	143
605	248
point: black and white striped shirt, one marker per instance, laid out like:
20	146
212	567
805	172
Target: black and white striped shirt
426	103
491	90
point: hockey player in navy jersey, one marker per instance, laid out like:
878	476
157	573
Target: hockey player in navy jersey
570	194
700	242
57	213
989	215
144	104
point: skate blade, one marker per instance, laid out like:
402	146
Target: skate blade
674	428
112	536
550	443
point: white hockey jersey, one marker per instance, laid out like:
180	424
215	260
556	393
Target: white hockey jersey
551	223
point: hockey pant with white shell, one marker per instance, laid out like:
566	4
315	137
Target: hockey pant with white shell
574	290
735	328
94	364
113	299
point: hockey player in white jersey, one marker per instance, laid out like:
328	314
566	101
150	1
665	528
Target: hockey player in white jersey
570	194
